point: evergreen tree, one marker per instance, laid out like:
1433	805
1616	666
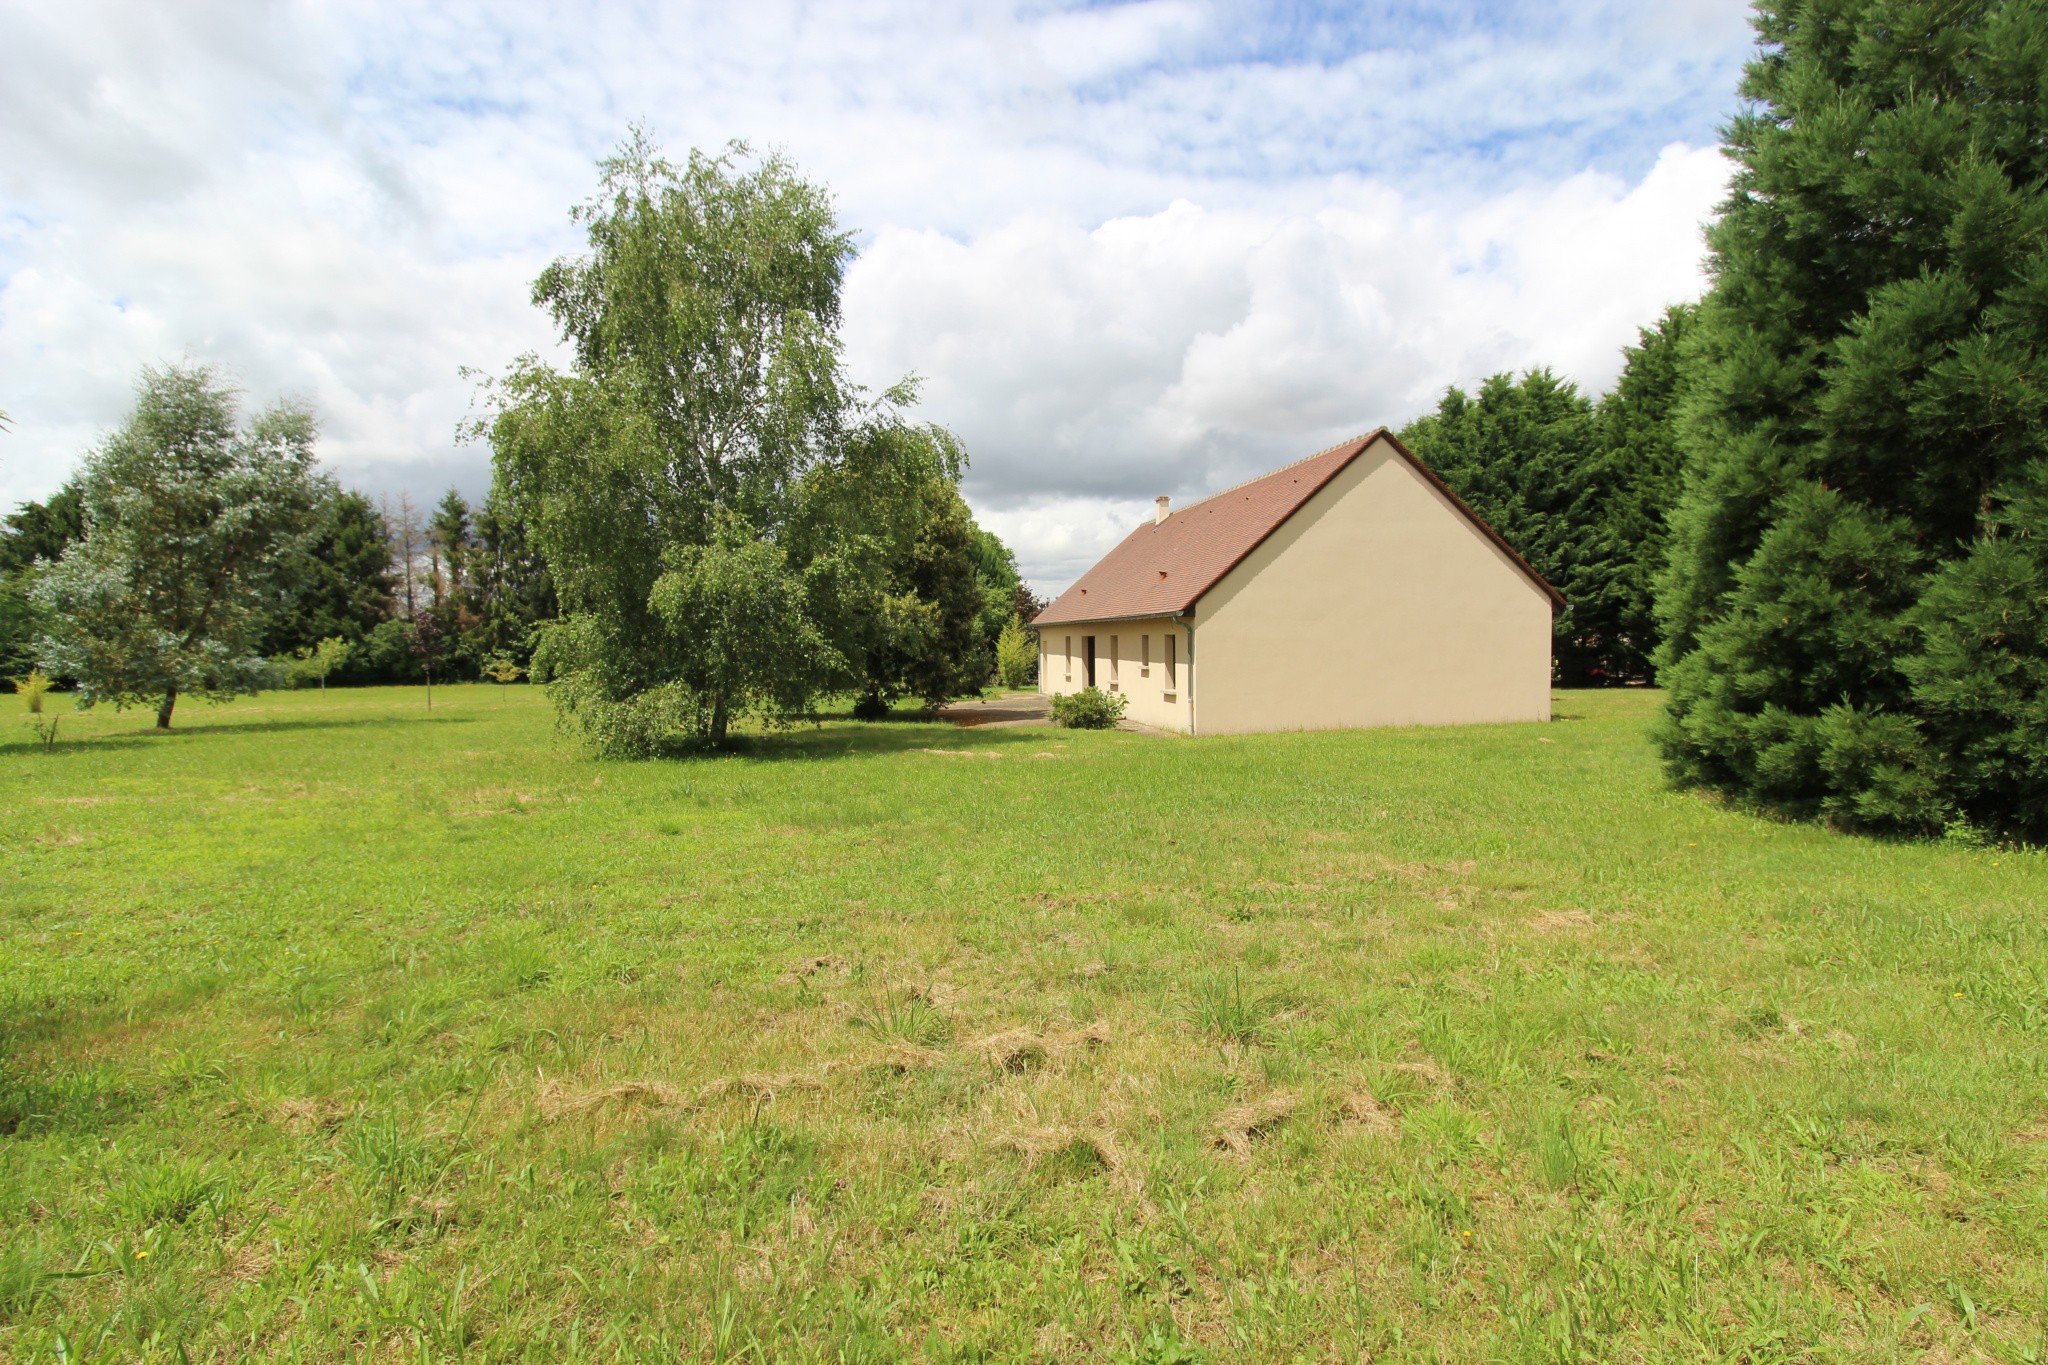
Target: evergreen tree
449	534
1848	619
1525	457
192	521
35	531
339	581
507	586
1634	484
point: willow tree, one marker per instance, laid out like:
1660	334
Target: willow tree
1856	609
669	474
192	521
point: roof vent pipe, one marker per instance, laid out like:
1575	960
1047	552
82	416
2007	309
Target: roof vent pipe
1160	502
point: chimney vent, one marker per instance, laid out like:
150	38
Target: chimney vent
1161	502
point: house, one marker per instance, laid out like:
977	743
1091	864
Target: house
1351	588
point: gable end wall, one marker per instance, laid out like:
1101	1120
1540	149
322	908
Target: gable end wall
1378	603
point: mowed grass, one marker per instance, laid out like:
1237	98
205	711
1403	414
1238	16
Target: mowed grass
339	1030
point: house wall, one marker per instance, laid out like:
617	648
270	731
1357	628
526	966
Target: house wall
1147	698
1377	603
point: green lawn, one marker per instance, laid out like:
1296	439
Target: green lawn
338	1029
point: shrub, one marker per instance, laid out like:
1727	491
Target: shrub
1016	655
32	688
1088	709
503	669
871	706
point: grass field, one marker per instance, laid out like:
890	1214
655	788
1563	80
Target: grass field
339	1030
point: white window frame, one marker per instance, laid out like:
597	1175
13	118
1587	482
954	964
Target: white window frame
1144	656
1172	664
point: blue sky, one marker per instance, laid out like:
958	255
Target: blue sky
1133	249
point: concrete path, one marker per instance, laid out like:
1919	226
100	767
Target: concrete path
1018	708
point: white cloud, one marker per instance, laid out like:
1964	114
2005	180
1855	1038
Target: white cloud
1135	248
1188	349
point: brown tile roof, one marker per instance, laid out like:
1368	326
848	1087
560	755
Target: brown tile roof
1163	568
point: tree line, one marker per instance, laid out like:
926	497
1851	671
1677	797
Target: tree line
1580	488
256	567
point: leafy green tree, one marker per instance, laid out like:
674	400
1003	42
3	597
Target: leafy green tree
191	520
1847	626
507	588
995	566
36	531
1016	654
41	530
934	647
339	578
330	654
678	450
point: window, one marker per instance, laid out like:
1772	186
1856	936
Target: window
1070	658
1171	641
1112	664
1144	656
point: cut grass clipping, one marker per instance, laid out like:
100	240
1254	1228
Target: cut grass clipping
335	1030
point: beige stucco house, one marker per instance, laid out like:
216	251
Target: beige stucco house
1351	588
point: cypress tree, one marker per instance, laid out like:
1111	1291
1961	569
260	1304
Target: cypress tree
1854	604
1635	479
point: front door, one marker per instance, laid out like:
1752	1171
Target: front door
1088	659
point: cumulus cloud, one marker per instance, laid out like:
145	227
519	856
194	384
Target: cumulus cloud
1134	248
1185	350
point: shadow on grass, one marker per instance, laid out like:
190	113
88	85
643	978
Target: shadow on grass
128	739
833	737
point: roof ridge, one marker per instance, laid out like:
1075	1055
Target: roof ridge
1362	439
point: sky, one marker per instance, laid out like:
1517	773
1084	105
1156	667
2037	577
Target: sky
1131	249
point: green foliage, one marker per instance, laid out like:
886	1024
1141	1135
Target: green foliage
191	525
32	686
503	669
753	647
41	530
1581	491
507	590
337	581
923	635
34	531
313	666
1635	477
1088	709
1016	654
730	525
1849	630
1523	456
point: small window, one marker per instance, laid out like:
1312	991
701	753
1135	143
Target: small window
1171	642
1070	658
1112	664
1144	656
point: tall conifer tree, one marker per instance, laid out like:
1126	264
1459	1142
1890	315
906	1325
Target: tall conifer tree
1855	604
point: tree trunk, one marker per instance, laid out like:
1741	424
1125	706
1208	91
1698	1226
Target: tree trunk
718	720
163	713
430	688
